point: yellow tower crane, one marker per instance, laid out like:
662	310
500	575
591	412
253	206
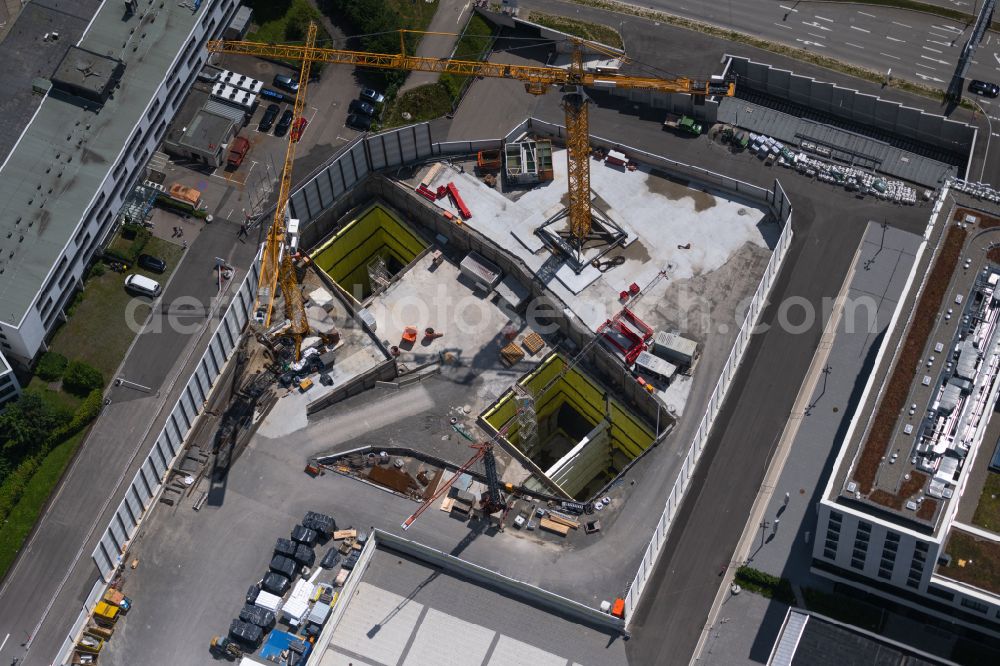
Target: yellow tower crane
537	80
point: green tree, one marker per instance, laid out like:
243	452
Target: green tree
27	422
51	366
80	378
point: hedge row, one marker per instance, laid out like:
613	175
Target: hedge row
14	485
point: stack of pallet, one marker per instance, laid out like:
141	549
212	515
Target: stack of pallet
533	343
557	523
511	354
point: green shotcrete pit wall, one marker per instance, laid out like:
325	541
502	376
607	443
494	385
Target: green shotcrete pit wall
375	232
628	434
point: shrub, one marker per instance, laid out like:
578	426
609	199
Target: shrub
97	270
13	486
27	422
80	379
51	366
87	411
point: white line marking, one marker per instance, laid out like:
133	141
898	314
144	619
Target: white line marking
949	28
790	9
813	34
855	46
934	41
984	101
818	26
929	78
784	25
823	18
4	641
927	48
889	56
931	32
902	24
940	62
996	57
854	27
808	43
867	14
893	39
920	64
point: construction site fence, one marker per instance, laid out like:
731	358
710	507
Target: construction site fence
526	592
718	396
149	480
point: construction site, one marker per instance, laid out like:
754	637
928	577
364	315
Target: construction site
495	358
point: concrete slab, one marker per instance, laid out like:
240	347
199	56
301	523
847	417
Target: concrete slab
377	624
659	214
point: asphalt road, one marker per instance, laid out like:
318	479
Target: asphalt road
916	47
43	592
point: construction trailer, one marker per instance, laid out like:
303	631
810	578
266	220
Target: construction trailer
528	162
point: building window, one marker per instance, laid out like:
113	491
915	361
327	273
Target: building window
857	563
836	517
864	527
830	553
892	536
975	604
884	573
938	592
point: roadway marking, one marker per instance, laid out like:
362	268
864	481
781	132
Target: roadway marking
928	78
902	24
931	32
855	46
889	56
808	43
4	641
949	28
823	18
784	25
867	14
940	62
996	57
920	64
813	34
790	9
927	48
893	39
934	41
854	27
818	26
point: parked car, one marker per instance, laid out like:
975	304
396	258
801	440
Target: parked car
267	120
275	583
142	285
151	263
359	122
372	95
238	150
244	632
284	123
285	82
362	108
285	566
984	88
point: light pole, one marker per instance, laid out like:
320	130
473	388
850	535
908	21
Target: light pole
989	124
763	531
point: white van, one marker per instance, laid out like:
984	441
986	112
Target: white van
142	285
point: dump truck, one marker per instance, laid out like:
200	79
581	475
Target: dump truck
682	124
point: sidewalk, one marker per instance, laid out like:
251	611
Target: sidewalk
450	17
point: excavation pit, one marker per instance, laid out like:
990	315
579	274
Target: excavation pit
583	436
375	246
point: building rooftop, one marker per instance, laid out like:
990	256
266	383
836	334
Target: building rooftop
205	130
405	609
27	55
807	639
56	168
929	402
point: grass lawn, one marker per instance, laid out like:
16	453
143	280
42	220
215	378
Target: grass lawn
414	14
593	31
422	103
988	510
287	27
22	519
56	397
96	331
973	560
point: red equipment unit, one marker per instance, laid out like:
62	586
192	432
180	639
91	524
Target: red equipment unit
627	334
457	200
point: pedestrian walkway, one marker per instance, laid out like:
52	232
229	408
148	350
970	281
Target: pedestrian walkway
450	17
